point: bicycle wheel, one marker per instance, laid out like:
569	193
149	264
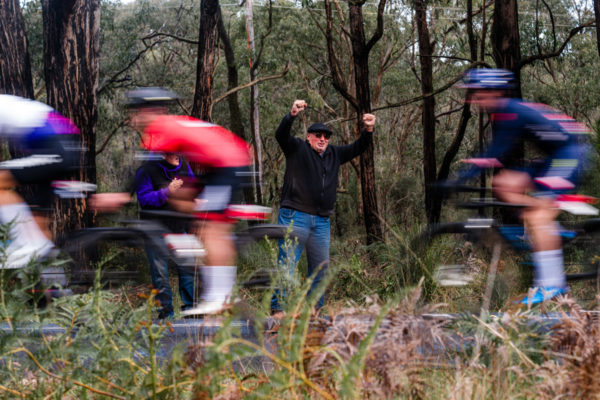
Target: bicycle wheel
581	250
464	264
116	253
257	252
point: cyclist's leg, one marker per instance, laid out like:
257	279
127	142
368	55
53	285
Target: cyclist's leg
219	273
27	237
159	273
317	252
539	219
565	166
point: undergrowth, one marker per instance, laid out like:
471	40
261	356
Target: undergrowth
106	344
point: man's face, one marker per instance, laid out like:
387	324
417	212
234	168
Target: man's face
318	141
172	159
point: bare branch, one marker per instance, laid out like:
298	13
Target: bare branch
444	170
110	136
252	83
139	55
556	53
462	21
445	87
379	31
337	80
172	36
449	112
256	61
553	24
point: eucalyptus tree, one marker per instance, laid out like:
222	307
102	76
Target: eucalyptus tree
426	48
71	29
597	16
235	113
506	43
360	99
207	38
15	65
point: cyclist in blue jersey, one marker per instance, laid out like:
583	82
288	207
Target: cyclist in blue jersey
564	145
47	141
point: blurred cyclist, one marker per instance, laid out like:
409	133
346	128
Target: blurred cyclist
564	144
225	157
48	141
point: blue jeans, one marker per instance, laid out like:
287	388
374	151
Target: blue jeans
159	272
313	234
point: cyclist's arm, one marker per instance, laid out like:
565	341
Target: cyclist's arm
286	141
506	136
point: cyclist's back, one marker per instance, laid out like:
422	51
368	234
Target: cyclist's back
202	142
46	140
516	121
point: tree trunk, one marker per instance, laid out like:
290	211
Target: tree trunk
209	19
432	201
71	43
506	43
254	120
235	114
597	15
360	56
452	151
506	49
15	67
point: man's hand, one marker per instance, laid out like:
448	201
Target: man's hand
297	107
175	185
369	122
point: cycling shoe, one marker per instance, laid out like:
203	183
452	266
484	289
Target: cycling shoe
206	308
541	294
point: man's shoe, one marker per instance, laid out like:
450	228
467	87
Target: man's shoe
206	308
541	294
166	315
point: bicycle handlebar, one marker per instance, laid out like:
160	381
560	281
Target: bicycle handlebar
166	214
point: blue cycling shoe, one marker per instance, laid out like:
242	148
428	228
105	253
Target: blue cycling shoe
541	294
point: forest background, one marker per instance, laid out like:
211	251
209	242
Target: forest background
241	65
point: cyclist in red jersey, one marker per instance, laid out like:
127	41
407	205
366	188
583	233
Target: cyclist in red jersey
225	157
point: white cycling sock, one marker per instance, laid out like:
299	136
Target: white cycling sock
27	239
218	282
549	269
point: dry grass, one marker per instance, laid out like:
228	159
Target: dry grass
574	370
405	345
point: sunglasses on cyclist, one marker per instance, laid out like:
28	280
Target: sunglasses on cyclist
319	135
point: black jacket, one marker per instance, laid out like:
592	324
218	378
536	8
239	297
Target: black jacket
310	180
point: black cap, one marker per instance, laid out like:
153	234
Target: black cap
319	127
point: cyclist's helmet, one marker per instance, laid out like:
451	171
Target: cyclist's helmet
150	97
488	78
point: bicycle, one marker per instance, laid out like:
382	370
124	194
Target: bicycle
183	249
462	244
